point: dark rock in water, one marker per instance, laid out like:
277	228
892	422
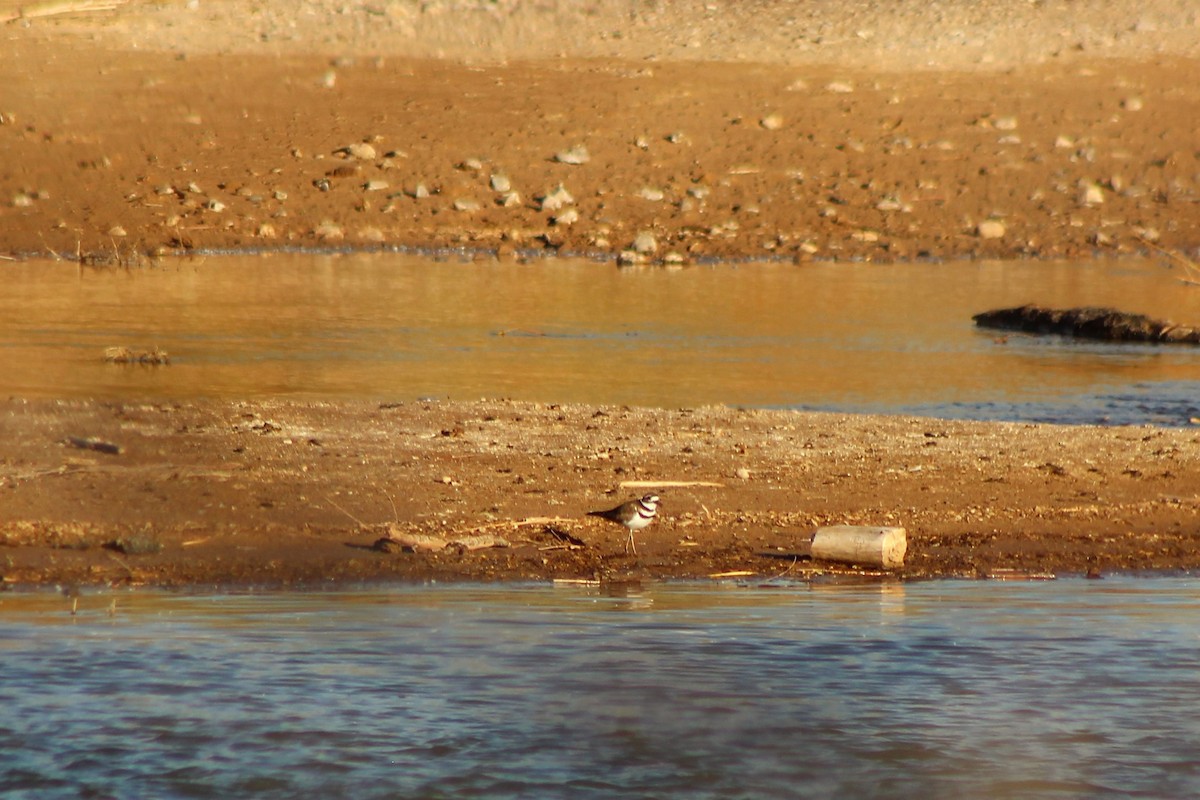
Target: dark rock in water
1107	324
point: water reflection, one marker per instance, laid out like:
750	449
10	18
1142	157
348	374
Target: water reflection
1070	689
857	337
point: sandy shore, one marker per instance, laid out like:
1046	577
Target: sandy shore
286	493
638	131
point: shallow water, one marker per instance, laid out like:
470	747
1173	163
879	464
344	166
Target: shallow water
386	326
950	689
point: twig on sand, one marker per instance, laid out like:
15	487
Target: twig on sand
51	8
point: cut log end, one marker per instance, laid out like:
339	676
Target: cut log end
865	545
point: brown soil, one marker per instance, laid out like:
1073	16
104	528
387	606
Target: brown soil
298	493
829	130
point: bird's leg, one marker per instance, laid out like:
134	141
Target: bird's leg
632	544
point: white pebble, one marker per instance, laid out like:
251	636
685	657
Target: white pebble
556	199
645	243
991	229
574	155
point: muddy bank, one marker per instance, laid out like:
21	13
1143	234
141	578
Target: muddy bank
286	494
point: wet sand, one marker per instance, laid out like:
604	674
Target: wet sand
294	493
710	131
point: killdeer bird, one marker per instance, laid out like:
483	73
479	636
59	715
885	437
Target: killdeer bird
634	515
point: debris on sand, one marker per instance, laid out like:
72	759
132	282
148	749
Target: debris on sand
93	443
125	355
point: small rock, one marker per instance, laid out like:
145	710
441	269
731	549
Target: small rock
1091	195
698	192
568	217
500	183
266	231
509	199
577	154
215	205
329	231
471	165
419	192
627	258
771	122
556	199
280	196
676	138
1005	124
359	150
645	243
991	229
1132	104
117	230
839	87
743	473
375	186
463	204
648	193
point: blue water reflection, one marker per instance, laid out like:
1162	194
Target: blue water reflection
1071	689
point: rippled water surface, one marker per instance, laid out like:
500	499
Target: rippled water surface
848	337
950	689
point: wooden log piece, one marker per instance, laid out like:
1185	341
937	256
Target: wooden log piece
867	545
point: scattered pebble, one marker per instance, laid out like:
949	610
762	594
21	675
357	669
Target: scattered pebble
359	150
419	192
329	231
743	473
500	183
471	165
648	193
578	154
991	229
1132	104
1005	124
568	217
1091	194
117	230
839	87
375	186
215	206
556	199
509	199
771	122
463	204
645	243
